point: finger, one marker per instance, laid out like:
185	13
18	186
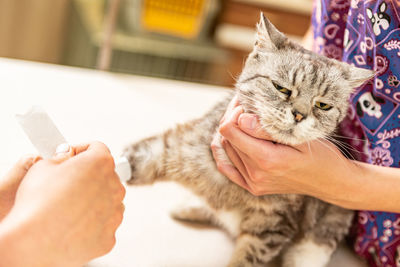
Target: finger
257	185
66	151
233	174
96	156
249	124
234	116
246	143
96	148
63	152
234	103
118	190
223	166
217	150
248	163
79	148
235	159
119	216
249	166
19	170
215	145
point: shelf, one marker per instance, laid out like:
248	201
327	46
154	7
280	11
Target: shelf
91	12
295	6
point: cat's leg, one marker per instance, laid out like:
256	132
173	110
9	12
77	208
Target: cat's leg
307	253
194	214
194	210
248	252
254	250
319	242
181	154
146	158
200	212
263	237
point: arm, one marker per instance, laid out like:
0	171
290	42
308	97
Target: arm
316	169
378	189
66	211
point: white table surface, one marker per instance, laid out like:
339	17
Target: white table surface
118	109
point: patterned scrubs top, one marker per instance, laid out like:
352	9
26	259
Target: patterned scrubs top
366	33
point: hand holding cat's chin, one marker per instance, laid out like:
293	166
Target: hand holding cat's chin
264	167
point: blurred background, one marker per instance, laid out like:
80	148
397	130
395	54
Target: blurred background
202	41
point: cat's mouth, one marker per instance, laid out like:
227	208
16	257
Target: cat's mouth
286	136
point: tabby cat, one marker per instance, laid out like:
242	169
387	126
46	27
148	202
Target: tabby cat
279	80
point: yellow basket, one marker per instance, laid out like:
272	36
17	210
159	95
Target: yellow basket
182	18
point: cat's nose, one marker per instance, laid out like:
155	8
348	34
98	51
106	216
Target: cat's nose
298	117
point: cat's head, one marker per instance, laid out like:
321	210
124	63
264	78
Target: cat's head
298	95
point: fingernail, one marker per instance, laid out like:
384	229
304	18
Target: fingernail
63	148
247	121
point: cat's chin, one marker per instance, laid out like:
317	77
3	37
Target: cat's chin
288	140
287	137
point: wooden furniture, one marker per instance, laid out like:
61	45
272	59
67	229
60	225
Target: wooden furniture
141	53
33	30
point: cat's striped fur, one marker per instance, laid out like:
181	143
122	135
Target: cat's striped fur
303	229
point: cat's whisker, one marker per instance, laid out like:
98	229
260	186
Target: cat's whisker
343	149
347	137
352	138
346	145
262	99
338	142
309	149
269	113
236	80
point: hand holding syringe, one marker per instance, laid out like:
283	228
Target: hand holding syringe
45	136
76	191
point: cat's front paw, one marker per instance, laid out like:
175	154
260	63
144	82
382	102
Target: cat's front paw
129	153
146	158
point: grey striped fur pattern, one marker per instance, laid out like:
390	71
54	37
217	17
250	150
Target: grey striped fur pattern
302	230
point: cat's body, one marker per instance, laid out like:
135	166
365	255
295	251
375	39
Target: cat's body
303	229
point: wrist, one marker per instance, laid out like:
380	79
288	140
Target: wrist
342	187
378	188
20	244
362	186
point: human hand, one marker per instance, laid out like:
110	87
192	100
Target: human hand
10	182
264	167
68	209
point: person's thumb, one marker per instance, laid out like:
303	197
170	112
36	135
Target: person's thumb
63	152
249	124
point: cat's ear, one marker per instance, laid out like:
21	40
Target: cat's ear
358	76
268	37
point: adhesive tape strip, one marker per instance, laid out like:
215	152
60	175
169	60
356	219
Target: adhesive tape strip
46	137
41	130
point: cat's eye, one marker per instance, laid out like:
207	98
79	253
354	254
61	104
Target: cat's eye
322	106
283	90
